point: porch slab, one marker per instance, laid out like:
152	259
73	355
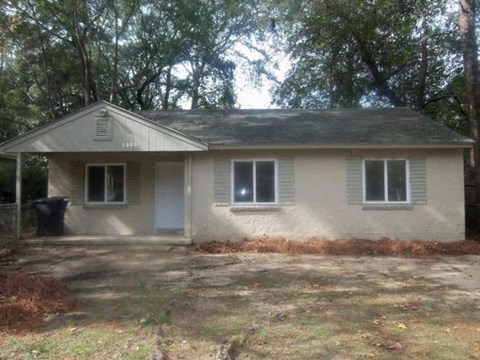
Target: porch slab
96	240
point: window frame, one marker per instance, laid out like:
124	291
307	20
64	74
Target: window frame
254	202
385	181
105	202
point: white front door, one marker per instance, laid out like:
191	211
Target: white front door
170	195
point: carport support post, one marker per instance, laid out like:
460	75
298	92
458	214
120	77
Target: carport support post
18	197
188	196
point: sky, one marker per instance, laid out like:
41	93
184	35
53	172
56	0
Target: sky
251	92
251	96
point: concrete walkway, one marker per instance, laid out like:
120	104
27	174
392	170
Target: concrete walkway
96	240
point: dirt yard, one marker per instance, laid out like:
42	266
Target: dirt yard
146	302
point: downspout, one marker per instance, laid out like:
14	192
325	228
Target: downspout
18	197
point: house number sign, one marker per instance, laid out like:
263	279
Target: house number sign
129	144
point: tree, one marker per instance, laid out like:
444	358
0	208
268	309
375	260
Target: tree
139	54
57	56
350	53
467	15
191	59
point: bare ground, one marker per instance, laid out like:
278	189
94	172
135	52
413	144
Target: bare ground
135	300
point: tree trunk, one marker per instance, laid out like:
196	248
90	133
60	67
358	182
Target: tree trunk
422	75
197	75
380	82
113	86
467	13
168	85
81	41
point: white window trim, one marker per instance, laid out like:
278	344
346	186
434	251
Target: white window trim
105	165
385	179
232	182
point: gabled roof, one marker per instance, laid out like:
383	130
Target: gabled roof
386	127
200	130
79	132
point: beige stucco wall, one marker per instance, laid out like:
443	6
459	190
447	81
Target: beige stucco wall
113	219
321	208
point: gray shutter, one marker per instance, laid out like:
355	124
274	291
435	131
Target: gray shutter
221	180
418	180
354	180
286	180
77	182
133	183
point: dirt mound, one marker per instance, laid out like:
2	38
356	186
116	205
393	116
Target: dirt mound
384	247
25	299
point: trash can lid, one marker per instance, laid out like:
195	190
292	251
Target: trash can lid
51	199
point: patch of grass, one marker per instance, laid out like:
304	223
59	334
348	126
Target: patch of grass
83	343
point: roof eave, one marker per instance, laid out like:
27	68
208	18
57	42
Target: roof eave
7	157
450	145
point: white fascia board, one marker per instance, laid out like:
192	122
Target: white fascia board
8	157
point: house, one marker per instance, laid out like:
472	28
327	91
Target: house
218	175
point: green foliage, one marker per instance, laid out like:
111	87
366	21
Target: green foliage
58	56
34	178
7	180
351	53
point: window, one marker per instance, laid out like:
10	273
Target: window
254	181
385	181
105	184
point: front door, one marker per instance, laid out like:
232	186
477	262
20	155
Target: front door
170	195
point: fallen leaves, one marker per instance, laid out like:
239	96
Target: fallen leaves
388	344
410	307
379	321
384	247
26	299
394	346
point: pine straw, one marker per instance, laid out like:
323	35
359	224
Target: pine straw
384	247
25	299
9	249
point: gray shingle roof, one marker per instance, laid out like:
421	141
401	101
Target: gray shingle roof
392	126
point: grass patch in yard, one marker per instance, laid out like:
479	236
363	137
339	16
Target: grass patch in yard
84	342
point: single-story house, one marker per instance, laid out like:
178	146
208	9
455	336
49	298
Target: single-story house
229	175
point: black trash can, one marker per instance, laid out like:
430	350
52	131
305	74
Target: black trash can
50	215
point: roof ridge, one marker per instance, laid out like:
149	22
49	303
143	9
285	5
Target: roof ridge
279	109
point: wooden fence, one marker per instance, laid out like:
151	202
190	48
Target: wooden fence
470	205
